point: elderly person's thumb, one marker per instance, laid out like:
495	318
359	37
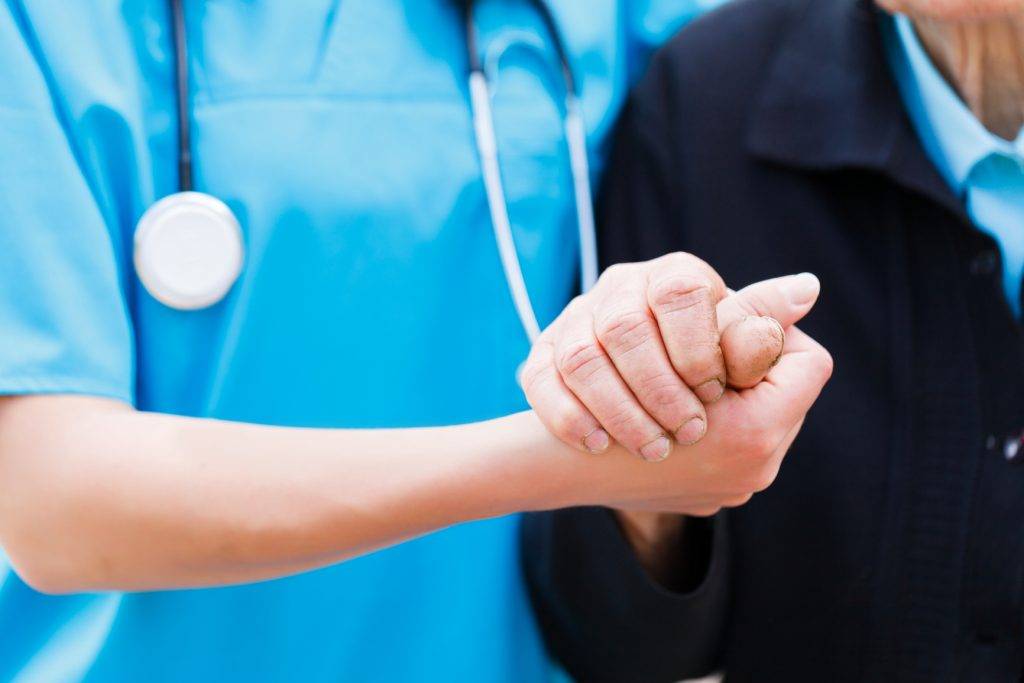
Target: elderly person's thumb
753	323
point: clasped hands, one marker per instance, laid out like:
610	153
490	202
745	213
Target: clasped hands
662	360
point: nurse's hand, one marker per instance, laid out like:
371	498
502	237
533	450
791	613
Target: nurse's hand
638	359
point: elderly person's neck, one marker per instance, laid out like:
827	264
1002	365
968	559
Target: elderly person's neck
983	59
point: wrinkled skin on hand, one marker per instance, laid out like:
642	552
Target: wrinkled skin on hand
639	358
658	345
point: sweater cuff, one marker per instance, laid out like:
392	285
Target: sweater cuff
604	617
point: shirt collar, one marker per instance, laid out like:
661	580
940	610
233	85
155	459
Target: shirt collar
828	101
952	136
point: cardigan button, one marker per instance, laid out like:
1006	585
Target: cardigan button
1013	449
985	263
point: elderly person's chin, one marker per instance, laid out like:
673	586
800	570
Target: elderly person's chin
954	10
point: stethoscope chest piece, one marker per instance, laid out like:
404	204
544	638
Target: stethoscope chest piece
188	250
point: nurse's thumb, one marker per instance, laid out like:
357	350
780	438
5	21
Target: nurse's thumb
786	299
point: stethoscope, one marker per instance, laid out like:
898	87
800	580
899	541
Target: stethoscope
188	246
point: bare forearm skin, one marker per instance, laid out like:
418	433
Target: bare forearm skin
97	496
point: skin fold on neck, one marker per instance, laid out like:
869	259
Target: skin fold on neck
983	59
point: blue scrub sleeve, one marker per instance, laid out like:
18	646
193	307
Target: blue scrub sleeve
64	326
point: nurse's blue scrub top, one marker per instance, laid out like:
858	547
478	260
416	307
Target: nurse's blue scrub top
372	294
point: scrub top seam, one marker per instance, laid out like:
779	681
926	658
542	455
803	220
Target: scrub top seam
24	385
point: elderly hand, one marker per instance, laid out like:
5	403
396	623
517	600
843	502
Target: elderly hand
642	355
639	357
749	432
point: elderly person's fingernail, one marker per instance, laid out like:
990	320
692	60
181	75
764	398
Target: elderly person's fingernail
597	441
751	347
691	432
780	335
801	289
657	450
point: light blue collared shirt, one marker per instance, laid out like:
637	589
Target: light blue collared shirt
986	171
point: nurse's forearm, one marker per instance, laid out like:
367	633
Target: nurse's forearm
94	495
97	496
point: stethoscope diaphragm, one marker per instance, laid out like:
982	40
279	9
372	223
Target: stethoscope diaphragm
188	250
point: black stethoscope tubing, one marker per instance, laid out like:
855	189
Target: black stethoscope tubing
182	101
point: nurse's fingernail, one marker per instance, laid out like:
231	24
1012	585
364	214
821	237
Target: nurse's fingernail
597	441
710	391
657	450
691	432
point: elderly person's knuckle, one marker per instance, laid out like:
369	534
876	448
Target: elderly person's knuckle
622	421
619	274
577	301
623	329
684	260
661	392
614	272
579	360
533	372
664	392
680	291
703	357
678	259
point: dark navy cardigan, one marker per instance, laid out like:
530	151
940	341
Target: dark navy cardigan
769	138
